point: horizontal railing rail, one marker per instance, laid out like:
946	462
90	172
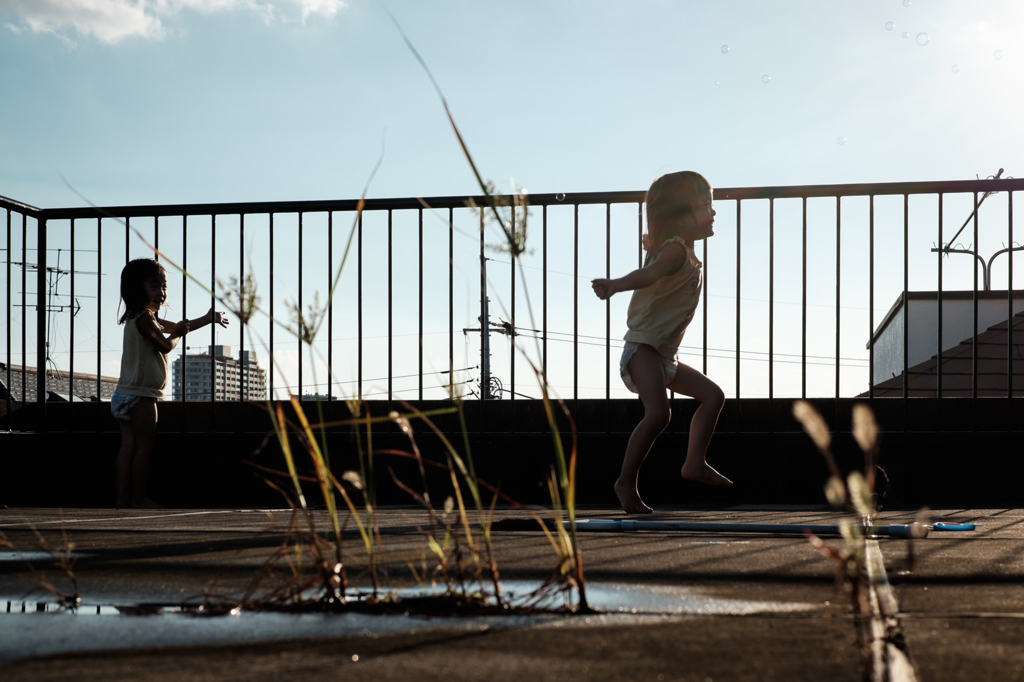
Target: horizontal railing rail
549	199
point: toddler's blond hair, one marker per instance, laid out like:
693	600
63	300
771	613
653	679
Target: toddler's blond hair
670	199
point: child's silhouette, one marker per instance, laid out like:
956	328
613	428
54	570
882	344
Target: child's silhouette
666	291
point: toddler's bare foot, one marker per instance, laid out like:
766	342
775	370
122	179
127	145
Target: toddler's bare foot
146	503
702	473
630	500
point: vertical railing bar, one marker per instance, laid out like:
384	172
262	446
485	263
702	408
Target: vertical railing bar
803	305
974	337
271	394
99	319
838	296
771	315
485	319
300	396
704	305
330	308
184	308
1009	309
420	289
575	306
512	336
738	290
607	312
41	309
243	370
213	327
24	313
906	311
640	235
390	316
71	333
451	302
7	381
359	304
156	257
871	298
938	331
544	292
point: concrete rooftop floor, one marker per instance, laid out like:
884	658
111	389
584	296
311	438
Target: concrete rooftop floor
722	606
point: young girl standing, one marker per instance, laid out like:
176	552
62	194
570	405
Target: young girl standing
666	291
147	341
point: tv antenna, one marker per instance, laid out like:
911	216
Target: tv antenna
54	305
986	267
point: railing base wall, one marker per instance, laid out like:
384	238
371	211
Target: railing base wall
59	468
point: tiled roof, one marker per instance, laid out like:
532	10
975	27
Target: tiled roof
957	367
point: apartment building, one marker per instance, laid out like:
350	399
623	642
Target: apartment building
219	376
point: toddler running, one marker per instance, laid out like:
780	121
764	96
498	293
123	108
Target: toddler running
147	341
666	291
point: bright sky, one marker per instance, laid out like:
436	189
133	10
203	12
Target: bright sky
181	101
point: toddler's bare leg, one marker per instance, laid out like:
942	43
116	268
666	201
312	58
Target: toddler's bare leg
144	424
689	381
648	373
124	464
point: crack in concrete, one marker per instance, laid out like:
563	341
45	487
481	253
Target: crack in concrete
890	659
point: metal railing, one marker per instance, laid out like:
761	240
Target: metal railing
91	220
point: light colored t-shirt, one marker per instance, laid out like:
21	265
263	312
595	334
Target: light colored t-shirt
143	367
659	314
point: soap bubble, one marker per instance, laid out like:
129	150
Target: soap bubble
765	78
998	54
889	26
716	82
906	35
725	49
906	3
956	68
560	197
841	140
922	39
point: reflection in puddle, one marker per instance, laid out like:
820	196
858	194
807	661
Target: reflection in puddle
42	631
609	598
33	557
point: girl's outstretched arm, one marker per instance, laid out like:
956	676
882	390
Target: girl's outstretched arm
211	317
667	261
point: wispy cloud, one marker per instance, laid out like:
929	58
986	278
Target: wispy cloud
111	21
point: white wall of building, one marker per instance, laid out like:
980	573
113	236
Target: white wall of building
957	326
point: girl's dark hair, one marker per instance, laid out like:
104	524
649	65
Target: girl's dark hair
133	285
672	197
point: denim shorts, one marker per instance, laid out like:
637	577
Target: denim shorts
121	406
628	351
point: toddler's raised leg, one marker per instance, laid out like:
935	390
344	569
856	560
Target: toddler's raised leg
689	381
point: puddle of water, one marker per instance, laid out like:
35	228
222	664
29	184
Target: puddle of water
640	599
31	629
33	557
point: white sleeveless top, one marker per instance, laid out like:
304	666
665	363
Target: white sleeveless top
659	314
143	367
